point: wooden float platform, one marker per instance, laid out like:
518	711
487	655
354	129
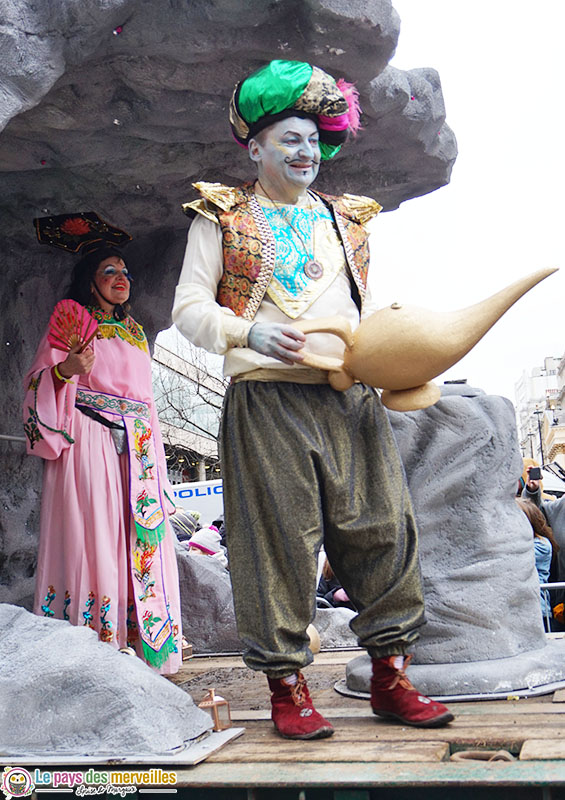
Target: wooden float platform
367	757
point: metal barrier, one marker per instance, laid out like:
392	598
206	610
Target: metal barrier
547	588
6	437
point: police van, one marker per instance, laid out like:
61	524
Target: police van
206	497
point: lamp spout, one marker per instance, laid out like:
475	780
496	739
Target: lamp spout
400	349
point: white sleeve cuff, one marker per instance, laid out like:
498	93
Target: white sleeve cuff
236	329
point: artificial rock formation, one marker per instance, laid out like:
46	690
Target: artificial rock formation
333	628
462	464
64	691
117	106
208	617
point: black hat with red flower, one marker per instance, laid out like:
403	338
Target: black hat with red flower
81	232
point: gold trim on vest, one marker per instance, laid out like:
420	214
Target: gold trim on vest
269	257
349	255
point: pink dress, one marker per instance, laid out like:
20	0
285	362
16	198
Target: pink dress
106	551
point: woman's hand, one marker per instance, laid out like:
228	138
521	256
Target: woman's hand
282	342
77	363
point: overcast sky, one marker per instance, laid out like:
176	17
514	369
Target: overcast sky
501	64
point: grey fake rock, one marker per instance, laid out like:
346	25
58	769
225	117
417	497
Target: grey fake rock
476	549
333	626
533	673
415	97
64	691
208	617
38	41
18	529
484	627
123	124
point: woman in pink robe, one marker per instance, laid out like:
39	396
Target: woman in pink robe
106	552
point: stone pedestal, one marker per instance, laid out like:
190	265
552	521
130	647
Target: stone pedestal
484	631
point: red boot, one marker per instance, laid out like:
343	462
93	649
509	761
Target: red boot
393	696
293	713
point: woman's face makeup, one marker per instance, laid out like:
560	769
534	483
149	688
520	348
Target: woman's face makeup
112	280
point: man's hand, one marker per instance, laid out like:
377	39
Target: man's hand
278	341
531	486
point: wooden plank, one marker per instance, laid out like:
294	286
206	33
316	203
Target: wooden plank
494	708
252	690
542	750
375	726
315	774
489	710
331	750
198	666
362	738
337	657
463	723
357	733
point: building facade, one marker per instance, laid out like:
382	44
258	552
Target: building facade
540	420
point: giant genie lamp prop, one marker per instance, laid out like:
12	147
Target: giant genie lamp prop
400	349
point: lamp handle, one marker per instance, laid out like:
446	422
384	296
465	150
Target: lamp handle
336	325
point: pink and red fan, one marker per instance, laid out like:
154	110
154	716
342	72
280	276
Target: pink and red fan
71	325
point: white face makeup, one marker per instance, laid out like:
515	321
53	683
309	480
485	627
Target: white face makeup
112	281
288	159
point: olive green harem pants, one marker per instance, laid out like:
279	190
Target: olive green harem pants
305	465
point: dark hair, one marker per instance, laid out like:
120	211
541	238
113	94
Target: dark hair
537	520
83	274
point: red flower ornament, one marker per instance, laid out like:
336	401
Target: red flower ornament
76	226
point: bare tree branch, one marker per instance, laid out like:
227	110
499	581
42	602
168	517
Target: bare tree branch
189	391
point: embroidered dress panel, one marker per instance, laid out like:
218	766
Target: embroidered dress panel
123	406
145	494
298	231
128	330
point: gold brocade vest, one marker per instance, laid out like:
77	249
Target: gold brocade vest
249	248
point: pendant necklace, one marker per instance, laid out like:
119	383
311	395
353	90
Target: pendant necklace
312	268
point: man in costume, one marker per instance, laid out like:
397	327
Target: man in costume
303	464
